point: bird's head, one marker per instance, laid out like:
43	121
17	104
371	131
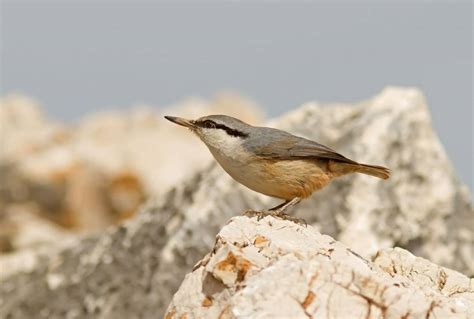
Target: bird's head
216	131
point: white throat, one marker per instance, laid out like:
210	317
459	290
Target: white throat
226	149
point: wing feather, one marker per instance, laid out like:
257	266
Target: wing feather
276	144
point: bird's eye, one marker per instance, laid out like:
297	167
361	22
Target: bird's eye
209	124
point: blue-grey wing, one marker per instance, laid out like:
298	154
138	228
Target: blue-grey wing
277	144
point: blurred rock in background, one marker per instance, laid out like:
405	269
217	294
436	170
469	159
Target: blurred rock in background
86	176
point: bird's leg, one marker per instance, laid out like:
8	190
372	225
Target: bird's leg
279	212
262	213
280	205
280	209
270	212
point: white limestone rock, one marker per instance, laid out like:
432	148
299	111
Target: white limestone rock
277	269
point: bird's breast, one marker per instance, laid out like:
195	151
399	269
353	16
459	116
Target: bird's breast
284	179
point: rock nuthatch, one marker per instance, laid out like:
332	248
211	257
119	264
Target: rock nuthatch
271	161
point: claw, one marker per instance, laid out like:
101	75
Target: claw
262	214
256	213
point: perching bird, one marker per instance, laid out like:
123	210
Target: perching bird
271	161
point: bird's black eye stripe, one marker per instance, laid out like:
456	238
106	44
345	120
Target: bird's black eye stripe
232	132
228	130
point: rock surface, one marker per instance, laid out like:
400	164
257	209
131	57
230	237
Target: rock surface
277	269
134	270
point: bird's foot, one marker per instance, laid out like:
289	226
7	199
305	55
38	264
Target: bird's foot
276	214
257	213
296	220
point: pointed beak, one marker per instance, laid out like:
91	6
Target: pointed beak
180	121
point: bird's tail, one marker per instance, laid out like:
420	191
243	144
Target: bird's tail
373	170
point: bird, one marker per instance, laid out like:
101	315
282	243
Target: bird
273	162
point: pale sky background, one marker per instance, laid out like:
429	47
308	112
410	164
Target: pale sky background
77	57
